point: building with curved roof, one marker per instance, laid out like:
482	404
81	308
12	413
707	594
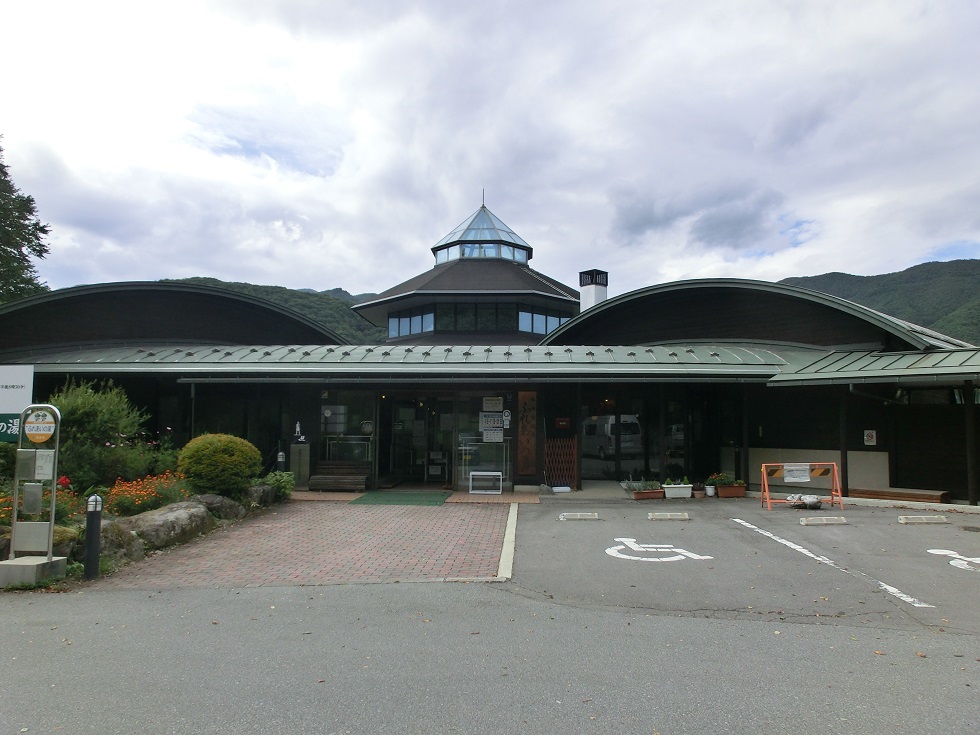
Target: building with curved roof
743	310
492	367
155	312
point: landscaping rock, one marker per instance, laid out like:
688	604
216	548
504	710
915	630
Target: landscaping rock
119	544
223	508
176	523
65	540
262	495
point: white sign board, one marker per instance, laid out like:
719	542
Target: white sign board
493	403
491	420
16	387
796	472
16	391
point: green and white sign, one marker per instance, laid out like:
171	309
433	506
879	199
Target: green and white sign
16	392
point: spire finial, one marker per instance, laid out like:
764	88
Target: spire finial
484	202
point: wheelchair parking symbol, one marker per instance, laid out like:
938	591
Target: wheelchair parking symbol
969	563
651	552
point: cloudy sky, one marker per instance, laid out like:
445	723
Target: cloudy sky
321	143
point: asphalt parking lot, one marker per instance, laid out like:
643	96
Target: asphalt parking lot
735	560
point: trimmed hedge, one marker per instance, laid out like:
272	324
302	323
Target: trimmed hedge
219	463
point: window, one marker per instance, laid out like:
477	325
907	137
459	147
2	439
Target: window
405	323
465	317
540	322
486	317
507	317
481	250
445	317
472	317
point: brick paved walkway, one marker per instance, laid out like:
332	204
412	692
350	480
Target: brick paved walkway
304	543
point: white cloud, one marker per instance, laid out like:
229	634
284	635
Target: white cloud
321	144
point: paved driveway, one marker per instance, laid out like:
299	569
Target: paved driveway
332	543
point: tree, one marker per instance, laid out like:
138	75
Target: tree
21	238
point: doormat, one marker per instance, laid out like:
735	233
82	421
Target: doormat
401	499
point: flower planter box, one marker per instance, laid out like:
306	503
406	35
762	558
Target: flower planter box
678	491
730	491
648	494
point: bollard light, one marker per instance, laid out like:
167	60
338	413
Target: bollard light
93	535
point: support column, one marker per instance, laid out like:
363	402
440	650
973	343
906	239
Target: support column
844	485
969	404
742	466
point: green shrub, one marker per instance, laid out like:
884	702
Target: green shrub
102	436
8	460
219	463
282	482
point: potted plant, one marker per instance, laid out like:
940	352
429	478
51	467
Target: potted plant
644	489
698	490
726	485
682	489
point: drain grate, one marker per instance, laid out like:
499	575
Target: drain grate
922	519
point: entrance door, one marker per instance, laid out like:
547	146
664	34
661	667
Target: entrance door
440	439
421	438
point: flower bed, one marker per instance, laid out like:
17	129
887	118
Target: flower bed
150	493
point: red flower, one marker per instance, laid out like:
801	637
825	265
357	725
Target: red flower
63	482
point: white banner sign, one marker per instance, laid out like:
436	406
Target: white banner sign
797	472
16	388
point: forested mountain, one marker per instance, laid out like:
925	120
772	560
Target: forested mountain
941	296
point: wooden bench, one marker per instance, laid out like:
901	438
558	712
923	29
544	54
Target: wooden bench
341	475
909	495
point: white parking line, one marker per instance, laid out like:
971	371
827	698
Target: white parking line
831	563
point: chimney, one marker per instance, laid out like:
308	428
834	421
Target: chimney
593	288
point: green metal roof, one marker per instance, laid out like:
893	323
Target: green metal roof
946	367
437	363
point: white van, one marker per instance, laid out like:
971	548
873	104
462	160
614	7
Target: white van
599	436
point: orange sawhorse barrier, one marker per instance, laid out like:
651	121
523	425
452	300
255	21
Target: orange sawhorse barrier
812	469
